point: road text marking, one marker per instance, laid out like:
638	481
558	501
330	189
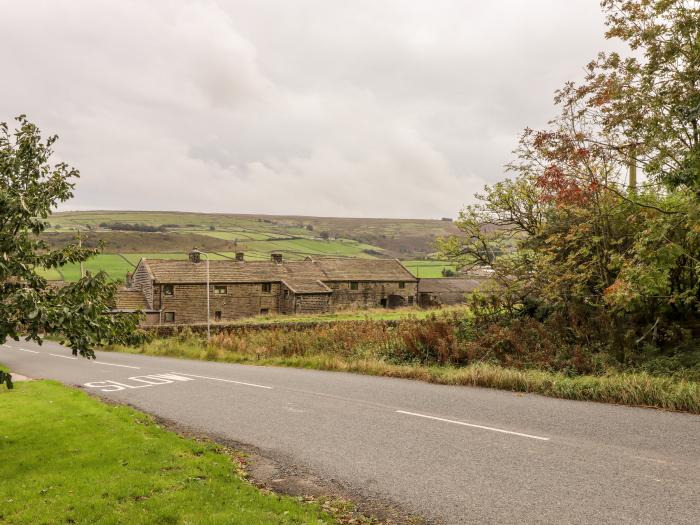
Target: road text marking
142	382
473	426
63	356
226	380
25	350
114	364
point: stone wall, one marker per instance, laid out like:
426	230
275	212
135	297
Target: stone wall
141	280
286	300
312	303
189	302
369	294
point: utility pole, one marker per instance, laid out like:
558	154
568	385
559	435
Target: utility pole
208	305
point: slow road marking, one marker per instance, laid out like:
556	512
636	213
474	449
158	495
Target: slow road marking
135	382
225	380
482	427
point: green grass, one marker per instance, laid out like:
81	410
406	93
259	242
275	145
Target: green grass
428	268
242	236
372	314
113	264
69	458
51	275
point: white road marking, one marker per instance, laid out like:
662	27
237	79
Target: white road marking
63	356
25	350
146	382
473	426
7	346
114	364
224	380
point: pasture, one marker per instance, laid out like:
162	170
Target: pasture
221	235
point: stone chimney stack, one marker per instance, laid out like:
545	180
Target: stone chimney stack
240	256
194	256
276	257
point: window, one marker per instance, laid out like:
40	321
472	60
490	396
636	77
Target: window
286	293
168	289
169	317
382	303
264	311
353	286
217	315
220	289
402	285
410	301
266	287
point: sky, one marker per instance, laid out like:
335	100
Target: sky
362	108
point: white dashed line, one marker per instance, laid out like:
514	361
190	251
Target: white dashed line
114	364
473	426
25	350
63	356
224	380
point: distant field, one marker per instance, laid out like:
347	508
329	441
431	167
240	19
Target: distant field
403	238
113	264
222	235
428	269
117	265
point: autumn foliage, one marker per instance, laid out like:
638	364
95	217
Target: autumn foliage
586	255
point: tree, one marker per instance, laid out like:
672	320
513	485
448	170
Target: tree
30	188
572	236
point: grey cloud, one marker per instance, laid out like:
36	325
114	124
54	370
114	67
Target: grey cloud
395	108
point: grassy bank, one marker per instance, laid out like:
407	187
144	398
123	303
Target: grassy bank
69	458
334	349
369	314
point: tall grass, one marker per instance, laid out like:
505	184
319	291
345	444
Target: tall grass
431	350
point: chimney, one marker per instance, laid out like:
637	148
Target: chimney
194	256
276	257
239	256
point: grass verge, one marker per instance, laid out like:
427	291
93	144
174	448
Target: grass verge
627	388
69	458
369	314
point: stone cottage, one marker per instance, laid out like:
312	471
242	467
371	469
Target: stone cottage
175	292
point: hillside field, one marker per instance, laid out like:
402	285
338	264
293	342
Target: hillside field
221	235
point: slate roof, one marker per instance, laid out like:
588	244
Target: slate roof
306	286
303	274
130	301
448	285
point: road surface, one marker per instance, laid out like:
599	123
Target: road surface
450	454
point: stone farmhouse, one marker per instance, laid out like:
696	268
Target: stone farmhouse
175	291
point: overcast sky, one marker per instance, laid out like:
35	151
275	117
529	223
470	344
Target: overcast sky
381	108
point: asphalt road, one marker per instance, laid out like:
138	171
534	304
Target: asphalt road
452	454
